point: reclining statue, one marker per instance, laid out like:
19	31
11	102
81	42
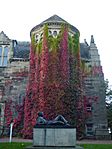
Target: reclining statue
59	120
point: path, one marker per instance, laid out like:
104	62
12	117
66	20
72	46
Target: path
78	142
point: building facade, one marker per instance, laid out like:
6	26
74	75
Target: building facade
14	67
96	123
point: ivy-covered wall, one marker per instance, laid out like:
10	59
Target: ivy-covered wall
57	82
54	85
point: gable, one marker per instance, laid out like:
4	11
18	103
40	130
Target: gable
4	38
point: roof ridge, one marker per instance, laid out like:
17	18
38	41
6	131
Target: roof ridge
54	18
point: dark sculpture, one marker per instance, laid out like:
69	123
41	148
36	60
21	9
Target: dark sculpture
41	119
59	120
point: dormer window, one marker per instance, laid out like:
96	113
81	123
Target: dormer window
4	56
41	34
36	36
50	33
55	33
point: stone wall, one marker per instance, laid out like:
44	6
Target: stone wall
13	80
95	92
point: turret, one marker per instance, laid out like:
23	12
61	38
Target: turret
95	58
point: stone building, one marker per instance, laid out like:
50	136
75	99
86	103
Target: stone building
14	66
96	123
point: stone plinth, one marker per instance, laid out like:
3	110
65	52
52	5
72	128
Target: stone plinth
50	137
54	137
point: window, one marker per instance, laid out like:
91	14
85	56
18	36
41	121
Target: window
50	33
55	33
36	36
41	34
89	129
4	56
36	40
0	55
21	98
89	108
0	111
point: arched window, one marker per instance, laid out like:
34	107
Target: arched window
55	33
50	33
41	34
36	36
0	110
4	56
0	56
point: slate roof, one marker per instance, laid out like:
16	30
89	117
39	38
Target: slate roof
55	19
84	51
22	50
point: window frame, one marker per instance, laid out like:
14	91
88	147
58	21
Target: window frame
4	55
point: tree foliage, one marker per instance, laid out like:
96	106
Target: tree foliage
108	91
109	104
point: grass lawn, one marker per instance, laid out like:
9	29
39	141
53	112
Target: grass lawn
23	145
97	146
14	145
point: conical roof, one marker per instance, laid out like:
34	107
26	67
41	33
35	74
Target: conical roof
55	19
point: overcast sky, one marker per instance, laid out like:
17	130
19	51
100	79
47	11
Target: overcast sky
91	17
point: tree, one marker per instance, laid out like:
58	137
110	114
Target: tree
109	116
108	91
109	105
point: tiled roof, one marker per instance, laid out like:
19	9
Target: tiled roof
55	19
